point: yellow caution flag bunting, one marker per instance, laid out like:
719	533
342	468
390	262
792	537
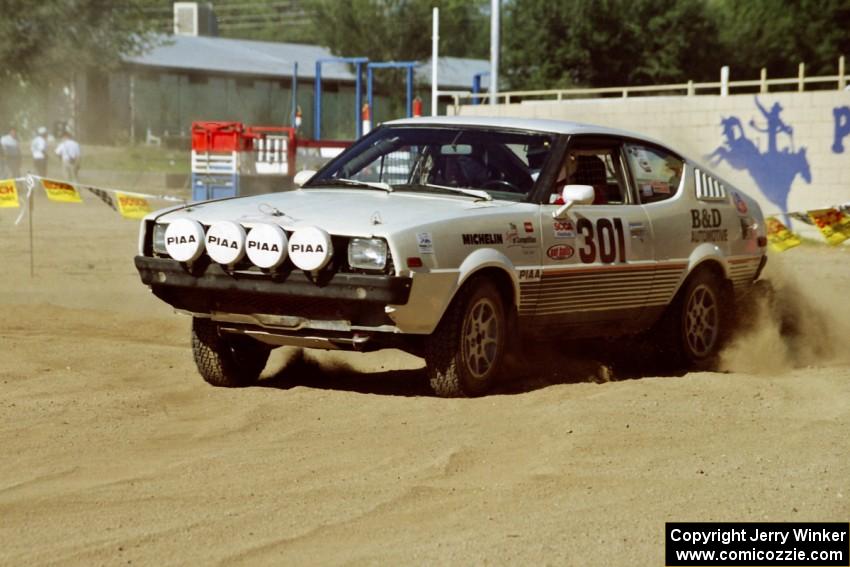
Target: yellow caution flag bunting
132	206
62	192
8	194
778	235
833	224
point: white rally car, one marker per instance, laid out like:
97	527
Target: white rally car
455	239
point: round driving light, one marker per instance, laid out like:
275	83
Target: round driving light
266	246
184	240
226	242
310	248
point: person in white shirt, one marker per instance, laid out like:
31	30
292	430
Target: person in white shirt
11	151
38	147
69	151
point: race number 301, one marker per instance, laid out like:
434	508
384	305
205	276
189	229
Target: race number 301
605	240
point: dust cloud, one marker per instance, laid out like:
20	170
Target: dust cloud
790	323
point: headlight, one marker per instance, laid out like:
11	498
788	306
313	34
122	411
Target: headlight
159	238
367	253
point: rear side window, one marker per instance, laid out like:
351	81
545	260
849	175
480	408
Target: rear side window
657	173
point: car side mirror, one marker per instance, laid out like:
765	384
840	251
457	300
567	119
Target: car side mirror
572	195
303	177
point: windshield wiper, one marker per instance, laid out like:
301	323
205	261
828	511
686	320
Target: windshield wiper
481	194
355	183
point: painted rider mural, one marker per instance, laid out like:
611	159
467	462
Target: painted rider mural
774	170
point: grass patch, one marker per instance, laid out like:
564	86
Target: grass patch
140	158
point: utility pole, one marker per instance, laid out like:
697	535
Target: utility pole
495	5
435	51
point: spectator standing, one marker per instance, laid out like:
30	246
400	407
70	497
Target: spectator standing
12	153
39	152
69	151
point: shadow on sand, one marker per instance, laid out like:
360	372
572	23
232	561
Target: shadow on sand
540	367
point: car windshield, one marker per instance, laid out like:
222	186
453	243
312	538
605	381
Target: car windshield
479	163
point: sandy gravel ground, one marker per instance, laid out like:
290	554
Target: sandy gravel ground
114	451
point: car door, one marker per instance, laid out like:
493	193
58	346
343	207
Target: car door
660	179
597	259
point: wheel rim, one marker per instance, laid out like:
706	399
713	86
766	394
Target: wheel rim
481	337
702	321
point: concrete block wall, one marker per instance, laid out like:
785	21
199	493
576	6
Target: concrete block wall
807	129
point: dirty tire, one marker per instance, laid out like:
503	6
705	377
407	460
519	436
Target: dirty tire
701	322
229	361
465	353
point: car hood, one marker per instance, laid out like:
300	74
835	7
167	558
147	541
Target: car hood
339	211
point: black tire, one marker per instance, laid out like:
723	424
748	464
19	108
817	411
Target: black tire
465	353
699	320
229	361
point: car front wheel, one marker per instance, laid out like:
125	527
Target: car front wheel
231	361
465	353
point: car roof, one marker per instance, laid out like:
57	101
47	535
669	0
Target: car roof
536	124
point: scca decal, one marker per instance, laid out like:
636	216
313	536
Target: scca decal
561	252
564	229
486	238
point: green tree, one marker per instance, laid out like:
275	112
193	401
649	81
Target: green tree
387	30
48	42
287	21
45	45
601	43
780	35
400	30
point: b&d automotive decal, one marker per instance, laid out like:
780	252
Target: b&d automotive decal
705	226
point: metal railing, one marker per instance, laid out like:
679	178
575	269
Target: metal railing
691	88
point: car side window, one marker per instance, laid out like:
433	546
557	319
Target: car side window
657	173
598	167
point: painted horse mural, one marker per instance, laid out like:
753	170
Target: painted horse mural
774	170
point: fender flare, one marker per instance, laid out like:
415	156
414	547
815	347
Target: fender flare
487	258
707	252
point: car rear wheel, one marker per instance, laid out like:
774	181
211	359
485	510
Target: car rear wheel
230	361
701	322
465	353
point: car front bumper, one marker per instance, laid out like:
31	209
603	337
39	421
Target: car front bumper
293	300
